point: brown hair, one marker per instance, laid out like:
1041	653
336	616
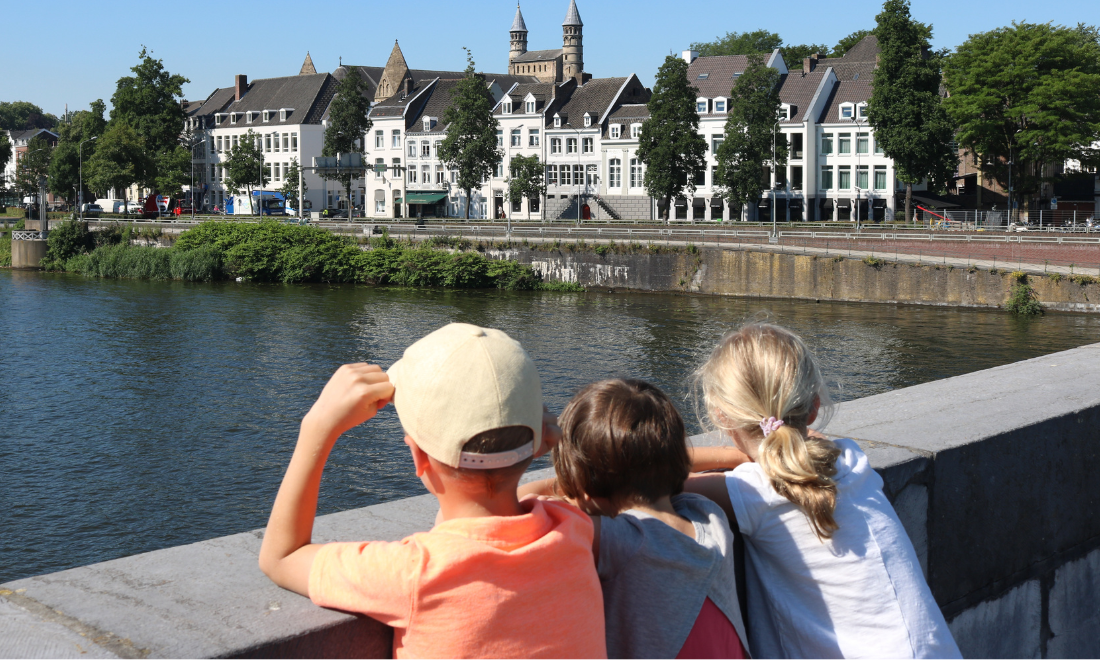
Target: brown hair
763	371
495	441
622	440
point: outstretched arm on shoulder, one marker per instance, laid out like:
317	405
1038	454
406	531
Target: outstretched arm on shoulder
704	459
352	396
713	487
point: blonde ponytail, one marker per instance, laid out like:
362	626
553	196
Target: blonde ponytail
762	372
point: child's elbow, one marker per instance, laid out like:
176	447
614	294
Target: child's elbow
269	565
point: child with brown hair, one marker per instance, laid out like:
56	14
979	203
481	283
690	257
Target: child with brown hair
664	558
831	571
496	577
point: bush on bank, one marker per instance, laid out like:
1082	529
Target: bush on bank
276	252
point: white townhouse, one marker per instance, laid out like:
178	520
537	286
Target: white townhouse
286	115
521	114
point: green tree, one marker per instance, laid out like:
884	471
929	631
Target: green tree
793	54
290	185
65	166
173	170
24	116
149	101
244	168
34	164
739	43
670	145
1027	94
348	124
120	160
527	180
748	142
5	156
470	147
906	110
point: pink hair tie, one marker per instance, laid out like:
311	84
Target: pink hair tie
770	425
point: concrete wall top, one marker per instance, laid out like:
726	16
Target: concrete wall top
992	473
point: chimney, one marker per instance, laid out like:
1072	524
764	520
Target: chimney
690	56
241	85
408	86
810	63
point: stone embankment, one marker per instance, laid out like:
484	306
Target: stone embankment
993	475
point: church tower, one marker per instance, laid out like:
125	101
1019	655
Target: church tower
519	36
572	46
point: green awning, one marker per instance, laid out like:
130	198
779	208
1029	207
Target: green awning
425	198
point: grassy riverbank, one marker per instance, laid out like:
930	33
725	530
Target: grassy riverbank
276	252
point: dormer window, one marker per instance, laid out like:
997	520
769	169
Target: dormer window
587	120
615	131
530	107
784	112
701	106
635	130
284	112
248	117
719	105
232	118
861	110
506	107
218	119
557	121
267	116
846	111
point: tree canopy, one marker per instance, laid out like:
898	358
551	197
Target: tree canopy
1028	94
906	109
528	179
670	145
739	43
290	185
34	164
120	160
244	167
5	156
24	116
348	123
149	101
65	167
470	147
748	141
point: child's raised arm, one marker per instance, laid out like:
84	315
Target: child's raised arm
704	459
353	395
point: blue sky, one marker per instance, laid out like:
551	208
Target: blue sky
89	45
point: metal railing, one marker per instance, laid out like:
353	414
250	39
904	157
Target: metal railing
29	235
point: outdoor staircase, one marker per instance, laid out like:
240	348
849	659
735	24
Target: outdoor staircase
607	208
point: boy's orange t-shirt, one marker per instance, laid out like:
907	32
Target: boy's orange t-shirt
510	586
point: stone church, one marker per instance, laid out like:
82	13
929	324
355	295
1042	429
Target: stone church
550	66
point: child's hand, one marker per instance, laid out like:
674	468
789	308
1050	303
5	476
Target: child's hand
354	394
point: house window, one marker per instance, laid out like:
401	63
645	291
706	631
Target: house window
533	137
219	144
530	107
378	163
506	108
412	148
425	173
435	148
844	177
827	145
844	141
533	205
395	139
615	131
796	145
796	177
557	121
635	173
217	120
719	106
863	143
232	118
826	177
635	130
715	142
500	138
439	175
454	176
213	149
396	166
861	177
267	142
412	174
516	139
498	170
551	175
880	177
380	204
277	170
425	149
587	121
700	179
571	145
234	141
862	110
878	147
517	205
379	140
276	138
588	145
593	178
614	174
294	143
566	178
213	172
267	115
845	112
555	145
282	115
784	113
701	106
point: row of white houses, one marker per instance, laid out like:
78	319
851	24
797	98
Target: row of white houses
584	129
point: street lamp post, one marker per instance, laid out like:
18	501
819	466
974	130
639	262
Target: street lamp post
775	233
857	172
80	176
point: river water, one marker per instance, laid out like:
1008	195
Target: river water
141	415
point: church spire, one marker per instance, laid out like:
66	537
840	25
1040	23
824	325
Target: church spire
518	25
394	75
573	17
519	36
307	66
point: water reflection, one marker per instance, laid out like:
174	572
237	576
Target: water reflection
141	415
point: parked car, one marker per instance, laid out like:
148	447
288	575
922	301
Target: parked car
134	207
92	210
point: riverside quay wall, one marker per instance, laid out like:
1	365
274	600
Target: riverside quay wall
992	473
768	274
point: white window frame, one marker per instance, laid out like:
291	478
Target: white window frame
588	145
413	151
379	139
848	108
635	131
614	174
516	137
616	131
506	108
570	145
701	105
555	145
395	138
533	137
267	116
557	121
232	118
587	120
723	101
530	107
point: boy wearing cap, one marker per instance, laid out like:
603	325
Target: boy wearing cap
496	577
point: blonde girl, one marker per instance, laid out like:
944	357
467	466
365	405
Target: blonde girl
830	569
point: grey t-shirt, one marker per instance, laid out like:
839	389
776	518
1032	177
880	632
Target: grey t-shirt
656	578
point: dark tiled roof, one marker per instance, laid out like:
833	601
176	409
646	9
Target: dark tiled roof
858	63
631	111
798	90
866	50
30	133
191	107
594	97
714	76
395	105
542	92
506	81
539	56
435	104
309	96
846	91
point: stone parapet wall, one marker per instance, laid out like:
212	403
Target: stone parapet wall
993	475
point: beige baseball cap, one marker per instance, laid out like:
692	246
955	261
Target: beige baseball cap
462	380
